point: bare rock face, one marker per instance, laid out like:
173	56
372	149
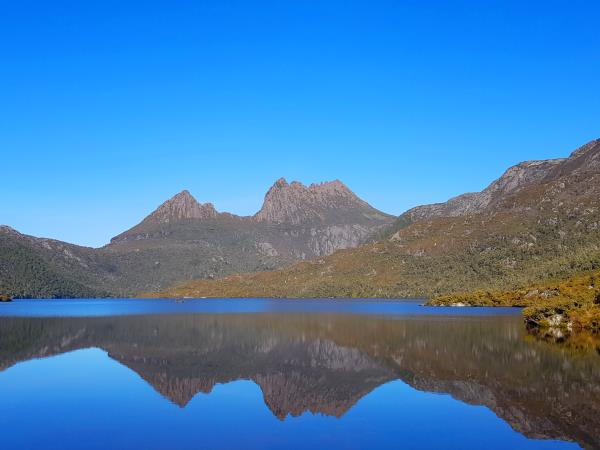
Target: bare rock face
327	240
297	204
182	206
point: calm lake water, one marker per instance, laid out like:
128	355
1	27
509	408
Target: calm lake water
287	374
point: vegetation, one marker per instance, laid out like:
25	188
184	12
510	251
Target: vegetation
545	228
581	343
24	274
436	257
540	221
569	305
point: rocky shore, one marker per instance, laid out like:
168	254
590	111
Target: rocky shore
568	305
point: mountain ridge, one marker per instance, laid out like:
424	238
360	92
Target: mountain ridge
296	203
182	206
514	178
539	220
184	239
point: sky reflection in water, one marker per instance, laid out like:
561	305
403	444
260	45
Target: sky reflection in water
290	380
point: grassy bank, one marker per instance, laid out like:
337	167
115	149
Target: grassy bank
572	304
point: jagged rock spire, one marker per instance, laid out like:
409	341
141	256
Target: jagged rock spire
295	203
182	206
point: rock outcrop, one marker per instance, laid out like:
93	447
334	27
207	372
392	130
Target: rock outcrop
297	204
182	206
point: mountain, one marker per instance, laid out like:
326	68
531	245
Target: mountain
539	220
301	221
185	240
526	174
181	206
46	268
296	204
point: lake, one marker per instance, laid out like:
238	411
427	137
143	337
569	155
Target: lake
287	374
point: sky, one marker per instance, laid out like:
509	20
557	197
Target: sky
108	108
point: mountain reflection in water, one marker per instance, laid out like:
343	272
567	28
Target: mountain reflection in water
325	363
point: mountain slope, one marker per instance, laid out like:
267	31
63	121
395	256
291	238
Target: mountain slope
40	268
571	305
184	240
584	160
540	220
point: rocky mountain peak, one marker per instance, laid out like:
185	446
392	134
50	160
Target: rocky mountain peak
326	216
585	161
522	174
280	183
295	203
589	149
182	206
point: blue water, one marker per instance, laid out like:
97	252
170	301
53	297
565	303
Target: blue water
115	307
294	374
84	399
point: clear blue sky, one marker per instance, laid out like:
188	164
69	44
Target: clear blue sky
107	108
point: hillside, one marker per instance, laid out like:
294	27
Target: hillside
27	270
539	220
185	240
570	304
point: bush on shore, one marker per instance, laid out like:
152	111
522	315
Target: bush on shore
572	304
